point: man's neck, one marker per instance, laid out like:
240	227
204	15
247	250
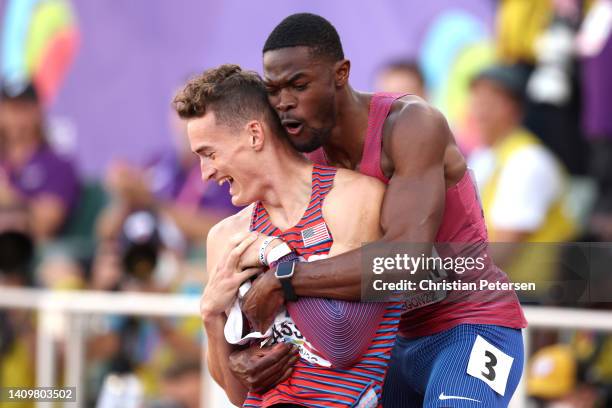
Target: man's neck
345	146
287	187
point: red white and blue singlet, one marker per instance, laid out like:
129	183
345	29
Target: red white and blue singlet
315	382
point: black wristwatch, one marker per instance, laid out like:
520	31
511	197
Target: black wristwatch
284	273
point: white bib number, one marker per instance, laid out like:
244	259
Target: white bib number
284	330
490	364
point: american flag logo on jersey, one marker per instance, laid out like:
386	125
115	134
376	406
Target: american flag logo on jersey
315	235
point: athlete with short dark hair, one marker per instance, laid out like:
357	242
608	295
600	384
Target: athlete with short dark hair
454	348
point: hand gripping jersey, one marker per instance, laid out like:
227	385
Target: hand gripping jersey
463	228
315	381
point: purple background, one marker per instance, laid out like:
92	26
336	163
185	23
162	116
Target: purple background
134	54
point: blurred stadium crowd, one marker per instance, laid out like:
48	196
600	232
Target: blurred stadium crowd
537	131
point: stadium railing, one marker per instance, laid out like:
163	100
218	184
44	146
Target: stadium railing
75	306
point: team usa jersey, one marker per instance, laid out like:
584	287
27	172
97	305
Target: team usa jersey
462	232
316	383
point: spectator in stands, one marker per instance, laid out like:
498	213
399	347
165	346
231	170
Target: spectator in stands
169	185
166	194
17	335
551	373
37	179
558	377
181	385
144	347
31	173
156	213
539	35
16	246
401	76
17	351
518	24
595	48
521	183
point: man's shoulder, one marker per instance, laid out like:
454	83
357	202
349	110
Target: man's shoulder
353	190
415	129
413	109
350	182
231	225
352	208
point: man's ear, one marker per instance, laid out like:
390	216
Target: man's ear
342	70
256	134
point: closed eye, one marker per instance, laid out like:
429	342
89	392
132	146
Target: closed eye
272	91
205	154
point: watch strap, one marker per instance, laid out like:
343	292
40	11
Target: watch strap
288	291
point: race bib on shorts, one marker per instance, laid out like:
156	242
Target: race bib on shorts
490	364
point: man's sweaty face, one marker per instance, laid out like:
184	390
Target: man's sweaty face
301	90
223	154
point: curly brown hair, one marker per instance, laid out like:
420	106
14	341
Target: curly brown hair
234	95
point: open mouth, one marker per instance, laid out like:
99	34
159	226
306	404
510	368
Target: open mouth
292	126
223	180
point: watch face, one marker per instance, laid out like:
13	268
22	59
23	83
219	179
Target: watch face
284	270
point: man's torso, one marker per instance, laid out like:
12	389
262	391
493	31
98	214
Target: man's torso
462	223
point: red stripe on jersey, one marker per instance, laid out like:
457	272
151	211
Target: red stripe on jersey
312	385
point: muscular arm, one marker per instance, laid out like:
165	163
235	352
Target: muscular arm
412	209
218	350
217	358
110	220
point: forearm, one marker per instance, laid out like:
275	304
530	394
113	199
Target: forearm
340	277
48	215
109	222
44	229
217	356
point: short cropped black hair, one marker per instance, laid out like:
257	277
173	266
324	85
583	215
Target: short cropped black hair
310	30
511	78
